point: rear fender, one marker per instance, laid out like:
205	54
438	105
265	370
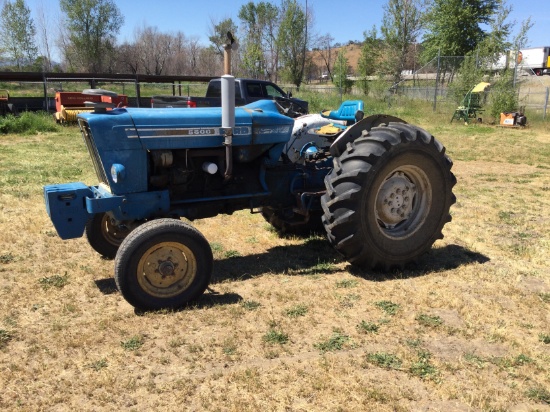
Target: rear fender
355	131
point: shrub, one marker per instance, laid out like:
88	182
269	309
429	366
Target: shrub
28	123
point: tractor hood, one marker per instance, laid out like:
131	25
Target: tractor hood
258	123
121	139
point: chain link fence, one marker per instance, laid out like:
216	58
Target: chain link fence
433	83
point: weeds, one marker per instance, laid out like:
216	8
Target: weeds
132	344
275	337
55	281
423	368
367	327
231	254
5	337
27	123
229	347
334	343
346	283
250	305
506	216
539	394
544	338
430	321
296	311
389	307
384	360
7	258
474	360
98	365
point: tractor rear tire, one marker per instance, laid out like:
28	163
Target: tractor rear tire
104	237
388	196
163	264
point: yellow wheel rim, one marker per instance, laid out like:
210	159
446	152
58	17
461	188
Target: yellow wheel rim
166	269
112	233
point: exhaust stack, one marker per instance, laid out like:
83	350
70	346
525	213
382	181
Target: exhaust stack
228	104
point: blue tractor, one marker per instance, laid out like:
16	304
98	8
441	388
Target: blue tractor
379	187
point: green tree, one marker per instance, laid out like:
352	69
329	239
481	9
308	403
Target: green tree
400	28
292	41
259	47
91	27
218	34
18	32
454	27
367	64
340	71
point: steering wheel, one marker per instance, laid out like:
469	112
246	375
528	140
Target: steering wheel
289	107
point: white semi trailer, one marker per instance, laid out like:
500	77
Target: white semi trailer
535	60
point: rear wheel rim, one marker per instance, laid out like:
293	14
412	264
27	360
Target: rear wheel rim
403	202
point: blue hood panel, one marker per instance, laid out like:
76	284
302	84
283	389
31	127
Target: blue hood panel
180	128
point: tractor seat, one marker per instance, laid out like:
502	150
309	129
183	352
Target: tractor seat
349	111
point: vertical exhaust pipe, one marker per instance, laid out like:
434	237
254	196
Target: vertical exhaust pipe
228	105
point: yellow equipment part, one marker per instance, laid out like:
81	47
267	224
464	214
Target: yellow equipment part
328	129
69	114
480	87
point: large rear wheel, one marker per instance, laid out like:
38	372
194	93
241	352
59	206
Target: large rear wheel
388	196
164	263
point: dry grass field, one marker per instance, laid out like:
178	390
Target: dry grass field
287	325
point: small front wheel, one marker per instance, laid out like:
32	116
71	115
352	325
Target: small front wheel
104	236
163	264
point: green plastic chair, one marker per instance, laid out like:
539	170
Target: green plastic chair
471	104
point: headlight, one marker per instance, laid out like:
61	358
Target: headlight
118	172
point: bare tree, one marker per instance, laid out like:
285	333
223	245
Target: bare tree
154	49
324	51
45	46
128	59
194	53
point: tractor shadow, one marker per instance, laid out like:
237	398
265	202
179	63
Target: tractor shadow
207	300
438	260
316	256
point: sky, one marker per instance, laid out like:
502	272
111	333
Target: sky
343	20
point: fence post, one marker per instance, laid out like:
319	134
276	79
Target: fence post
437	79
545	104
45	83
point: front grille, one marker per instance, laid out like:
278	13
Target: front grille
92	149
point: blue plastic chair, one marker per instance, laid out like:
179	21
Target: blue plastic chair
346	111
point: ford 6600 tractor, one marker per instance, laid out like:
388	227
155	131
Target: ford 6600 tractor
381	188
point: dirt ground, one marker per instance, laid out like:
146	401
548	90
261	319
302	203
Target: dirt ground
287	325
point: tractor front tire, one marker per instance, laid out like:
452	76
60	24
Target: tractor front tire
163	264
103	236
388	196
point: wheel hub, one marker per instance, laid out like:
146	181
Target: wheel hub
166	269
394	203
